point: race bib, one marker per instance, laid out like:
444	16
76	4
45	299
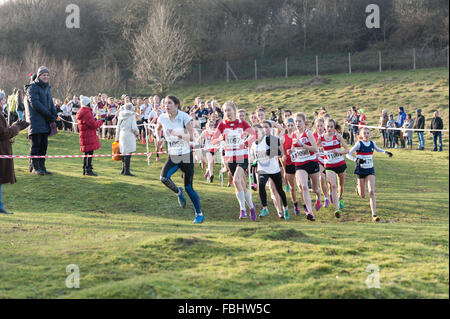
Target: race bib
368	161
300	155
332	158
177	146
233	140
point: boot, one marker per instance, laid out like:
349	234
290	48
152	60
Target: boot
37	170
127	166
123	165
89	168
43	167
403	143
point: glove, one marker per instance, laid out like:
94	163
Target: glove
21	124
360	161
390	154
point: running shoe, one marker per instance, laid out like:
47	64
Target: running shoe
341	203
375	219
181	199
206	175
264	213
297	211
288	189
318	205
243	214
286	214
199	219
310	216
281	215
338	213
253	214
327	203
211	178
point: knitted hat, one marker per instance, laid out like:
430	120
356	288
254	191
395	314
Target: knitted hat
42	70
84	101
419	111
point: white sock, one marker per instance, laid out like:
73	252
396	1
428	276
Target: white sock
241	199
248	199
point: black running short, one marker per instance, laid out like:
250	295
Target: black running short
310	168
232	166
289	169
338	170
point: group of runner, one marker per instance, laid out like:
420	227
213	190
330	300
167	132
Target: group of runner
295	153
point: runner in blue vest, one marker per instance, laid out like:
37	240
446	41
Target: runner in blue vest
364	169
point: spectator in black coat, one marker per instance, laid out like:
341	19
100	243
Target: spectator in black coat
420	125
40	113
437	124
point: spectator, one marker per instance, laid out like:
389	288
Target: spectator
126	133
75	107
40	113
202	115
401	119
66	109
391	133
20	105
89	141
354	121
383	123
420	125
7	175
59	123
408	134
437	124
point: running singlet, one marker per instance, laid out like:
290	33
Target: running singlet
366	153
301	156
332	159
208	144
287	146
320	154
234	136
266	164
175	145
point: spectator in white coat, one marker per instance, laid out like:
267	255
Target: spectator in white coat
126	133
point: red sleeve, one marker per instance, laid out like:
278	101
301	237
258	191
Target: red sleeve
294	136
221	127
246	125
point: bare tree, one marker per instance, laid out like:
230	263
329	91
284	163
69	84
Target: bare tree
162	50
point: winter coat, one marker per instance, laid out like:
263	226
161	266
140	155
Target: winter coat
401	119
126	132
419	123
383	120
88	130
436	124
40	111
6	165
408	124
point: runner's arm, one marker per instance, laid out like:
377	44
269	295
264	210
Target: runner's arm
353	150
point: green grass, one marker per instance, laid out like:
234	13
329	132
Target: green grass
131	240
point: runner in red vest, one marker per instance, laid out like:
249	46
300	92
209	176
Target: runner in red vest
319	130
304	149
334	161
234	132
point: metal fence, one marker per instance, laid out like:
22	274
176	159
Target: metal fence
315	65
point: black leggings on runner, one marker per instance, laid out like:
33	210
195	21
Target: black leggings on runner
278	180
186	164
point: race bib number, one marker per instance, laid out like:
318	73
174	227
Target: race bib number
368	161
177	147
333	157
233	141
300	155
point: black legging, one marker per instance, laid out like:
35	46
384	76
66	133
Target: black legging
87	161
278	180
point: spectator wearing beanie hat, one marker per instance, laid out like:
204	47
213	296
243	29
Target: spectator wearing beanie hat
40	112
89	141
419	124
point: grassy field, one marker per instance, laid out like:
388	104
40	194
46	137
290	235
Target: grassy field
131	240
